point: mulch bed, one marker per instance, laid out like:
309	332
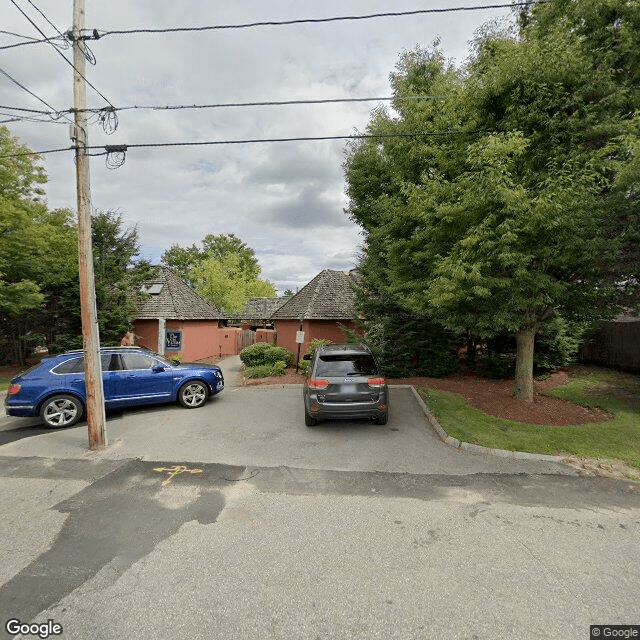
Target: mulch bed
490	396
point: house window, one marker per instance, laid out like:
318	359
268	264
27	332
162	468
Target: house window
153	289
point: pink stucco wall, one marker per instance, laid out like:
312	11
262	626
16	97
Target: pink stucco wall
201	339
313	329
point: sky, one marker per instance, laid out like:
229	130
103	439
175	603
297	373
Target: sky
285	200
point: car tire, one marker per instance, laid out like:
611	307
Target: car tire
383	419
61	411
193	394
309	421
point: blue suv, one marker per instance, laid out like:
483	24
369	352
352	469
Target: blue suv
54	389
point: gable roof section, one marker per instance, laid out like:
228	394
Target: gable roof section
176	300
328	296
262	308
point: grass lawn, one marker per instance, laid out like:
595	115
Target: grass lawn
615	439
6	373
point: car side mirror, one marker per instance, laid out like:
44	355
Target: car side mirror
157	368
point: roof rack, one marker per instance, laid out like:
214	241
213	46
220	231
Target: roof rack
117	348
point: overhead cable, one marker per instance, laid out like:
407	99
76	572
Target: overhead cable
123	148
95	34
226	105
110	125
46	104
279	23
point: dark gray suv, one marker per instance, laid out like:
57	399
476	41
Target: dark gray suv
344	382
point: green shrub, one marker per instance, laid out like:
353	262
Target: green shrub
278	354
258	371
303	365
315	343
266	370
279	367
255	354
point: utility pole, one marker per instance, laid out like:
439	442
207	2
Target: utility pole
89	314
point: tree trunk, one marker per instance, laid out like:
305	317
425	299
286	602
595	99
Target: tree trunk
523	387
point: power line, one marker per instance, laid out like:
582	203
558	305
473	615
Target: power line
224	105
95	34
273	103
50	24
274	23
60	52
122	148
19	84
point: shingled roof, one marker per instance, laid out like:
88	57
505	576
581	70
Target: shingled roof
173	298
328	296
262	308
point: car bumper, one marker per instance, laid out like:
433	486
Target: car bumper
345	410
20	411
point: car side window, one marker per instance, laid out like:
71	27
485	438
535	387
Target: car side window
75	365
110	362
137	361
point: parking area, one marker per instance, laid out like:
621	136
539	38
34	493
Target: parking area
264	426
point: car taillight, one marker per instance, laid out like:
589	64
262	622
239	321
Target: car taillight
376	382
13	389
318	383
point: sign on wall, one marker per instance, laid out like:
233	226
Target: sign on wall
173	340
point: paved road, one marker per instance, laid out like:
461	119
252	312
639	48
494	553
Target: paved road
281	531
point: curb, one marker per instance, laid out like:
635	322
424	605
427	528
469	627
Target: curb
476	448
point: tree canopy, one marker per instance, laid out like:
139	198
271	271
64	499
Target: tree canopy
225	271
516	199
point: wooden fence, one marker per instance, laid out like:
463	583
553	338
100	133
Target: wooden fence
615	345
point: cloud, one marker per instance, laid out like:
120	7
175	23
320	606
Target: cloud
285	200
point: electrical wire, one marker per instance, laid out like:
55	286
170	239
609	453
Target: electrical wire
64	40
18	118
274	23
123	148
85	51
225	105
46	104
96	34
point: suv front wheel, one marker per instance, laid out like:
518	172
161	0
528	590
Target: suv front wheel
193	394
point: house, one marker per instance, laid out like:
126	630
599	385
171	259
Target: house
258	312
175	321
322	309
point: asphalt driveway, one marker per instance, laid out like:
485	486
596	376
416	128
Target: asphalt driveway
264	426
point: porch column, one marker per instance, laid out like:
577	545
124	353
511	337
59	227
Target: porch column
162	326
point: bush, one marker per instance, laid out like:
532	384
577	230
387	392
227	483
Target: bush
255	354
303	365
265	353
279	367
317	342
258	371
278	354
266	370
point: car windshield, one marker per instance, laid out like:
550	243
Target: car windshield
162	359
346	365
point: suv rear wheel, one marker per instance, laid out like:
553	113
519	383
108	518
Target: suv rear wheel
61	411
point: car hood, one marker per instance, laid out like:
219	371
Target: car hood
197	365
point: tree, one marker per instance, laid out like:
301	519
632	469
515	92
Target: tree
225	271
38	255
182	260
527	207
118	274
225	283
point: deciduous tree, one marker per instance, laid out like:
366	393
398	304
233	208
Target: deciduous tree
517	198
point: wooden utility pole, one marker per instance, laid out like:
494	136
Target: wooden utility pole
90	337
